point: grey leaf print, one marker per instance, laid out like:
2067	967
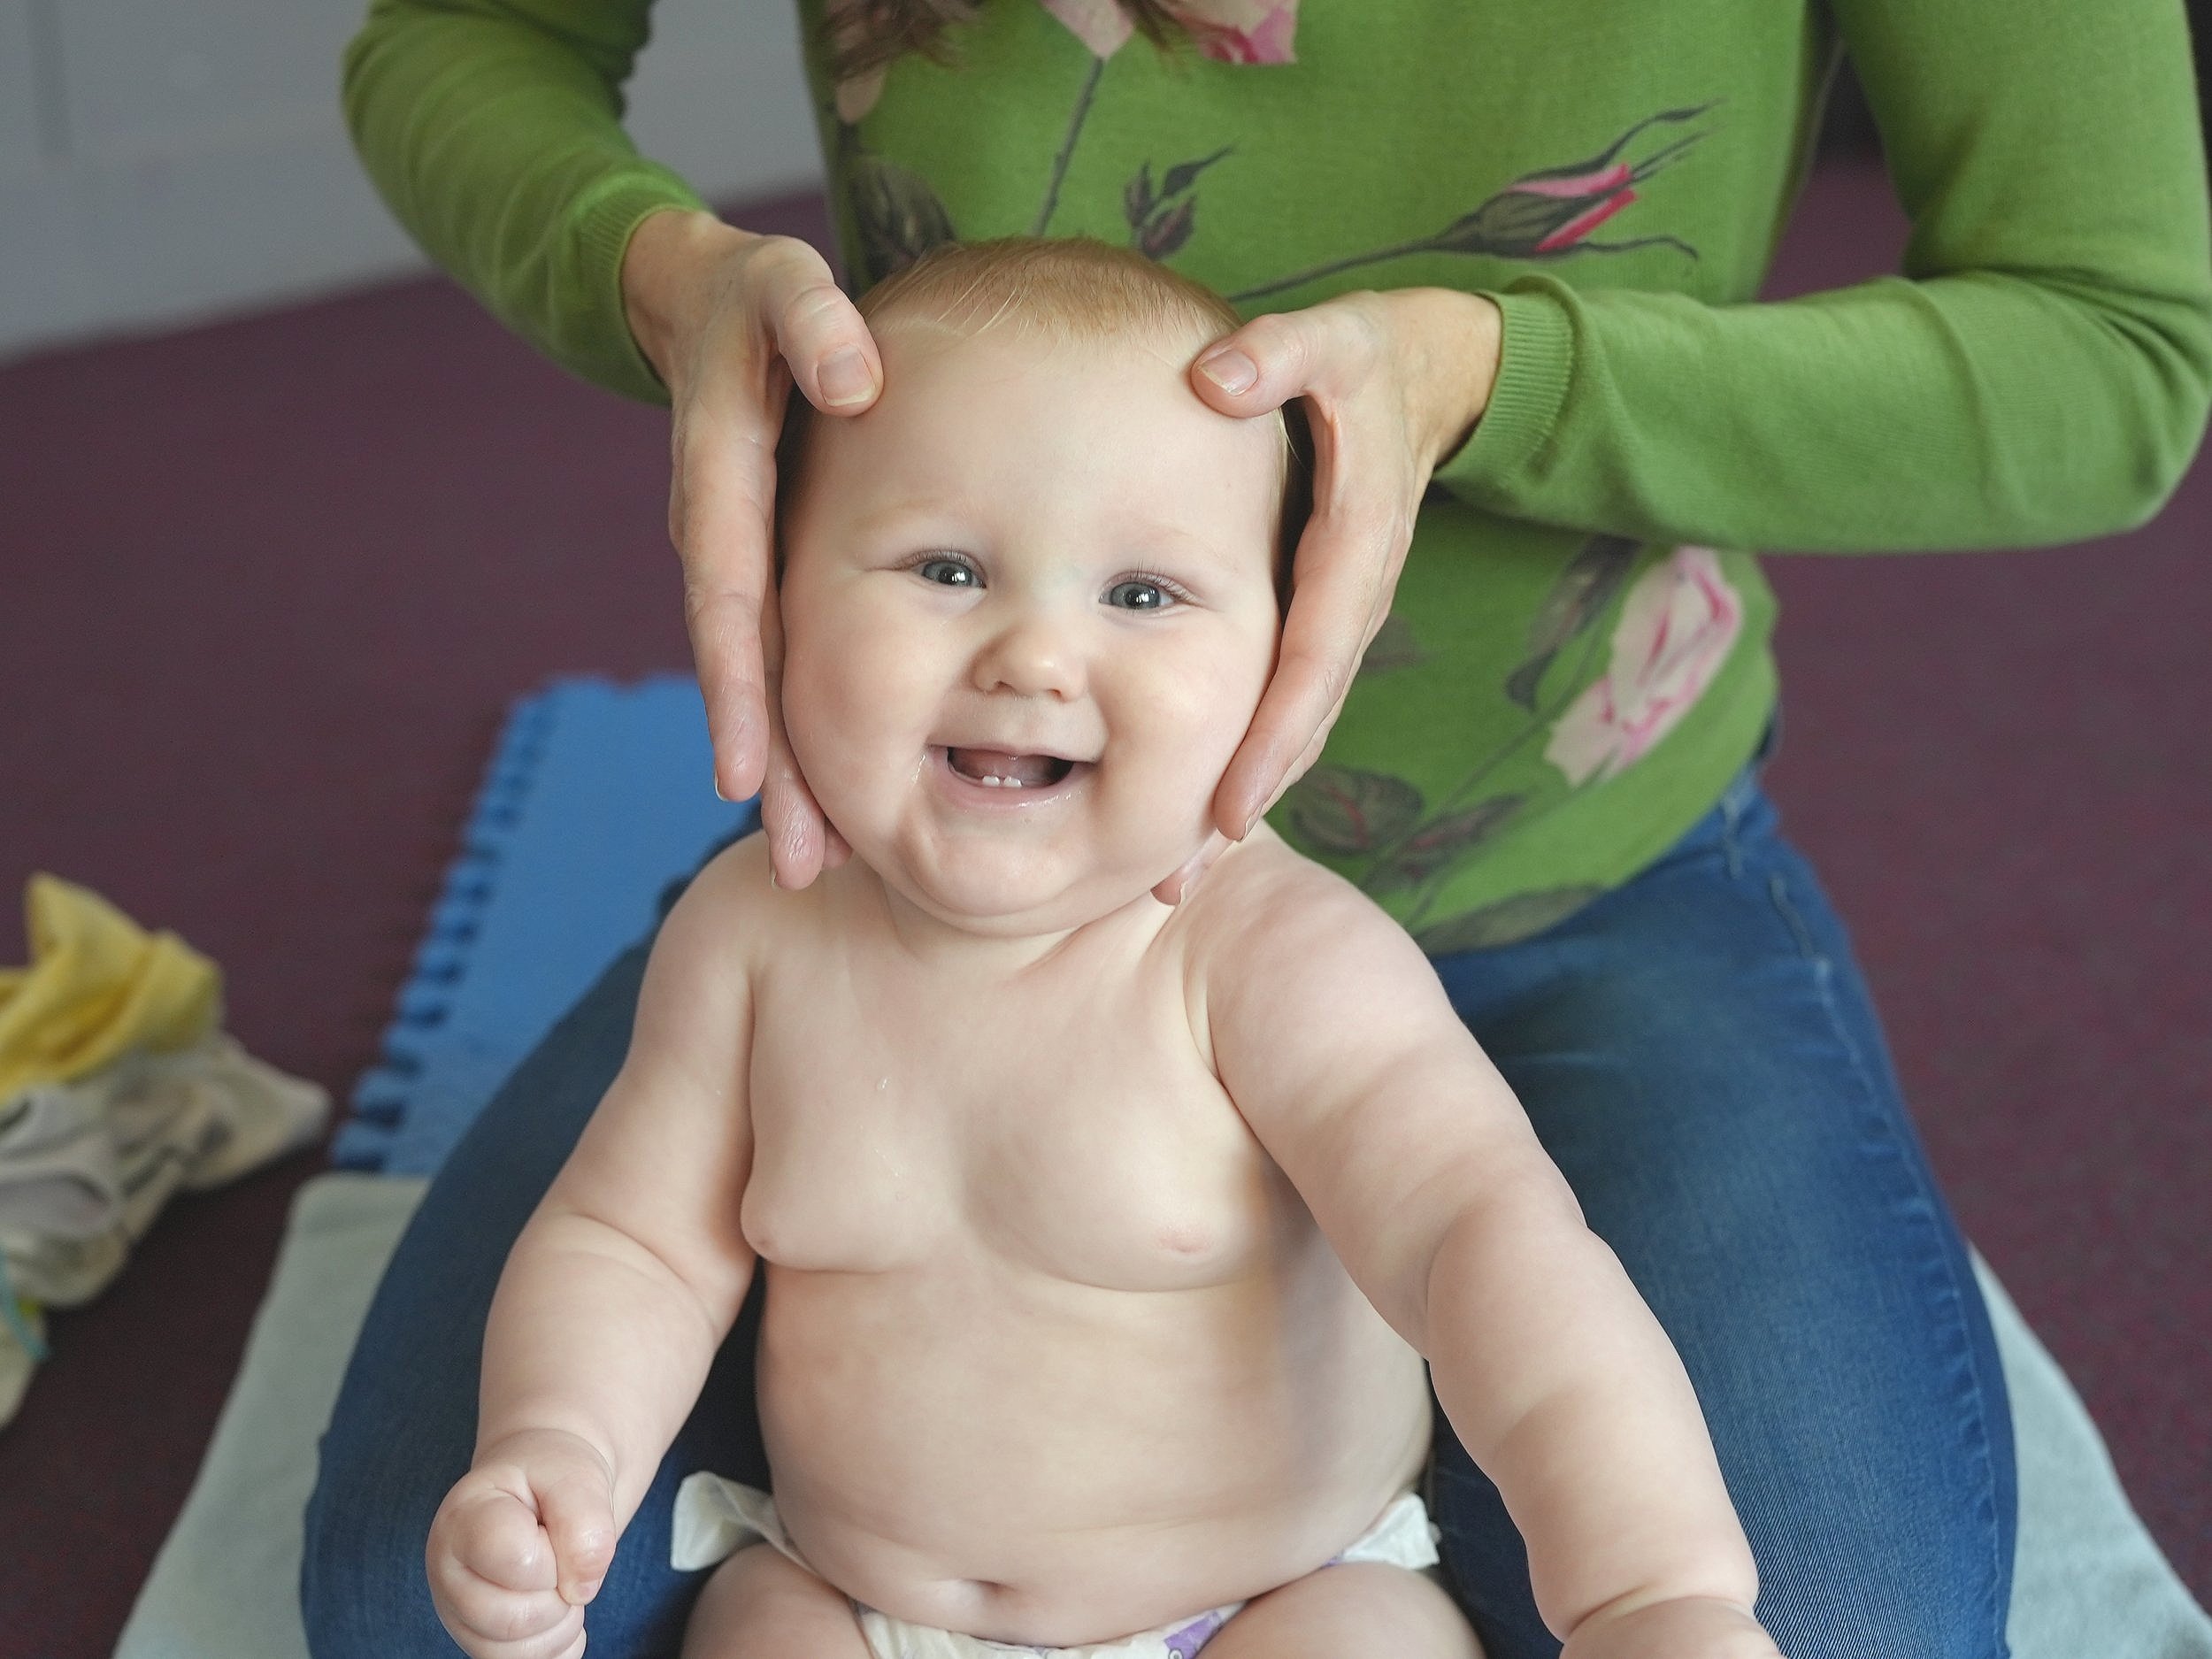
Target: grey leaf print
1338	810
1183	174
1166	232
1159	224
898	216
1428	849
1394	647
1578	598
1521	917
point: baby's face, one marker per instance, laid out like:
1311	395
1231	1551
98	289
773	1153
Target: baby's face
1029	608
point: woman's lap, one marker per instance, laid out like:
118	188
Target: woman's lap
1700	1056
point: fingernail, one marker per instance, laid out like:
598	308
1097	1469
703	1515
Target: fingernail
718	788
771	877
1232	371
844	379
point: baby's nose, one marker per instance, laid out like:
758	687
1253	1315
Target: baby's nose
1032	655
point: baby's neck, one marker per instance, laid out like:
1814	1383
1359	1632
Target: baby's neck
983	950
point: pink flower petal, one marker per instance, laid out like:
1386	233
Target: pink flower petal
1242	31
1577	185
1584	741
1677	626
1582	224
1101	25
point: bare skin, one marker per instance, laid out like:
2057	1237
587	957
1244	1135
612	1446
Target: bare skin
734	322
1105	1240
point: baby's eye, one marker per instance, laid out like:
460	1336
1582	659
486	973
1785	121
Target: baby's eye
949	572
1139	593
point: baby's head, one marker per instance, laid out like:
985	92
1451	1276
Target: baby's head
1030	597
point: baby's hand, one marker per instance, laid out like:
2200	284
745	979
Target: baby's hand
1689	1627
520	1544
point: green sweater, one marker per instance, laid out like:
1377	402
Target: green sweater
1578	658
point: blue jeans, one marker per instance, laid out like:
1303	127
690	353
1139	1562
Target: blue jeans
1699	1054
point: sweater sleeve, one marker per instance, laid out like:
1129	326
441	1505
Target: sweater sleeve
2040	372
493	129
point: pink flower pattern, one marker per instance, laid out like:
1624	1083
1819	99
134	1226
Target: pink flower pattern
1103	25
1229	31
1676	629
1243	31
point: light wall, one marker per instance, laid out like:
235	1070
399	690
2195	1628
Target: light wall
164	161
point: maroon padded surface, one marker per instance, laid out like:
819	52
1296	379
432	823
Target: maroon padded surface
266	587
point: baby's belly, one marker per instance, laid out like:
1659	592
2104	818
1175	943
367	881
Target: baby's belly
1037	1462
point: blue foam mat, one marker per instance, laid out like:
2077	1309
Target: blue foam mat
596	797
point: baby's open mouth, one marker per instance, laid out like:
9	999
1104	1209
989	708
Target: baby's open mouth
999	770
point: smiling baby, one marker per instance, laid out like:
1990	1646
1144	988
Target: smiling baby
1105	1241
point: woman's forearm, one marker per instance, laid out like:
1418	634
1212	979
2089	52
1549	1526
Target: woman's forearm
493	129
2040	373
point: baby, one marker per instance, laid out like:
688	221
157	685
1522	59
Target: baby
1105	1240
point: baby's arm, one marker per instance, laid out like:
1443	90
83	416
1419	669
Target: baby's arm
1332	1033
613	1302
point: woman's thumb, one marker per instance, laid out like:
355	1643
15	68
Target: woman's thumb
1259	368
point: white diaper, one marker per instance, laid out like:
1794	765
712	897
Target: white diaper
715	1519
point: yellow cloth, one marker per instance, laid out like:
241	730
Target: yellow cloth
97	986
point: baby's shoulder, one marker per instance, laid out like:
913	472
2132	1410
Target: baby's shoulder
733	883
1290	958
734	911
726	913
1262	897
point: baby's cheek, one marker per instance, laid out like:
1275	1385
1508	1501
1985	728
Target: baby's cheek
1207	718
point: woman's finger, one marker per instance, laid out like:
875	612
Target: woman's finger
1333	610
790	324
1326	355
801	843
1184	883
1344	572
1323	353
834	362
720	514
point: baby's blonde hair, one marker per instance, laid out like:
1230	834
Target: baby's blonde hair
1077	287
1070	288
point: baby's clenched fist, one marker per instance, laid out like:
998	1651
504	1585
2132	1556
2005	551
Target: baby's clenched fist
520	1544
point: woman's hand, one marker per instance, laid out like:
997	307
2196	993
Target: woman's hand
1393	383
731	321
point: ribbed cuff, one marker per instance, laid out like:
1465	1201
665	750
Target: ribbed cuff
1536	358
605	219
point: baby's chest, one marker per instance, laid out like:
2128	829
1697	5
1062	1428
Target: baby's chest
1105	1156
